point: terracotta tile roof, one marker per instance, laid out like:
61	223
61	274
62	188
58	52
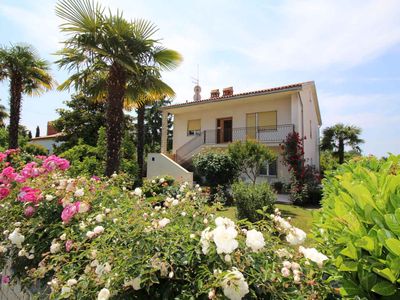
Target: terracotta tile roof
46	137
240	95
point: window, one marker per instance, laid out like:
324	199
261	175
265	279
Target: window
260	121
269	169
194	127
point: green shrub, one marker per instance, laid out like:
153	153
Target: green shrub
155	186
278	186
359	226
250	156
218	168
35	149
249	198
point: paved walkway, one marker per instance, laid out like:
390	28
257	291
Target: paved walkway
283	199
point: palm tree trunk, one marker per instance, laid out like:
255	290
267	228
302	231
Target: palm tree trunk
15	111
140	142
341	151
115	116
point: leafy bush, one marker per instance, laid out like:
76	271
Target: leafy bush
359	226
35	149
81	238
218	168
156	186
305	179
250	198
250	156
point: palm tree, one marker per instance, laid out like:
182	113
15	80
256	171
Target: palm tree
336	137
28	74
112	50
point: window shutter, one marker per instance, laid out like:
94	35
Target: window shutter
194	126
267	120
251	126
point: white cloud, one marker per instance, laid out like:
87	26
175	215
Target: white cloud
314	35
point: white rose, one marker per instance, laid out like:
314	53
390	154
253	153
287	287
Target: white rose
255	240
71	282
138	192
296	236
99	218
162	180
175	202
90	234
49	197
79	193
220	221
224	239
55	247
63	237
183	214
163	222
313	255
65	290
134	283
234	285
98	230
16	238
227	258
285	272
104	294
287	264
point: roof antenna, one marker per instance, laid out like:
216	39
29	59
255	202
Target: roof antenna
197	88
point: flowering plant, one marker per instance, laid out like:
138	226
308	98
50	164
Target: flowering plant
95	239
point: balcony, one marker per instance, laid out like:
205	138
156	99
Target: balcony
265	134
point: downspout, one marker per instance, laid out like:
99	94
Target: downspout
302	116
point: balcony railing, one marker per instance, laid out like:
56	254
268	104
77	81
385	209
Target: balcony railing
263	134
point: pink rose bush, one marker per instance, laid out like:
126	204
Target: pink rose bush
93	238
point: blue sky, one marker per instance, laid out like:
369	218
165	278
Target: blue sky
351	49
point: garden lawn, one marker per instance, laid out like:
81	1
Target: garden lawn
301	217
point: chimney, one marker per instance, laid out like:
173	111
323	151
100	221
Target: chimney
227	91
215	93
50	129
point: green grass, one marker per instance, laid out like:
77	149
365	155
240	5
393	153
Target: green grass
301	217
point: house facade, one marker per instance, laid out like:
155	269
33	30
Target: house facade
49	141
267	116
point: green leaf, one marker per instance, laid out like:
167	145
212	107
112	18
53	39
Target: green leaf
393	246
350	251
349	288
384	288
368	281
385	273
348	266
392	223
366	243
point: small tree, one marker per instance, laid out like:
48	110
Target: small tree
217	167
37	134
250	157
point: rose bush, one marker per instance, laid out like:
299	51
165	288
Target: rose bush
92	238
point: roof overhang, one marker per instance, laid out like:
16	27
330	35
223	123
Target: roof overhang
181	107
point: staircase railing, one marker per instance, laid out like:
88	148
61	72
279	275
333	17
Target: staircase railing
263	134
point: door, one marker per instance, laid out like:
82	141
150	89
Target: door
224	130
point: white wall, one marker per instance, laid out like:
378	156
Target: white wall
47	143
161	165
237	109
311	127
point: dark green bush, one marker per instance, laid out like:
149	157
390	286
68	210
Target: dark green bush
217	167
35	149
249	198
278	186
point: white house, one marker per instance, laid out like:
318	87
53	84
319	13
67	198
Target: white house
267	116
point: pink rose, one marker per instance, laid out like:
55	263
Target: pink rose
70	211
5	279
29	194
68	245
8	175
29	211
53	162
3	156
4	192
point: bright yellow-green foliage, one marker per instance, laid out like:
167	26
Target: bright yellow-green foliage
359	226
